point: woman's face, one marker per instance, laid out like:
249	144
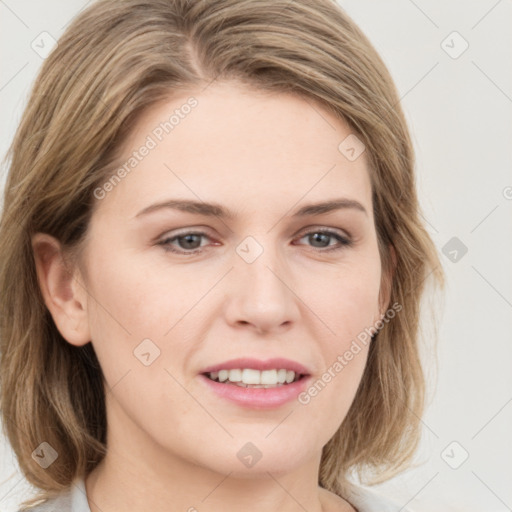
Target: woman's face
176	292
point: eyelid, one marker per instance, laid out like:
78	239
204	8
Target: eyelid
322	227
344	240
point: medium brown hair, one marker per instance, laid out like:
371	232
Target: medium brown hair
116	59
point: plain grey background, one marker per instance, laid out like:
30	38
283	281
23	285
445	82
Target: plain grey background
451	63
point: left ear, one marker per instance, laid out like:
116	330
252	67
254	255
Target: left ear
62	292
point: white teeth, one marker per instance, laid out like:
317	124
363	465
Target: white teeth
248	376
251	376
269	377
235	375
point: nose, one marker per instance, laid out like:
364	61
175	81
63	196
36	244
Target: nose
262	294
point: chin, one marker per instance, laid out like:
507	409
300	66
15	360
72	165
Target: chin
255	459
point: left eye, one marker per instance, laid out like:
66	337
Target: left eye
320	236
190	242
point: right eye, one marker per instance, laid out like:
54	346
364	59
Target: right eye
187	242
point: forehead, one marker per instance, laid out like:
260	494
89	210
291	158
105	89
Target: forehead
240	147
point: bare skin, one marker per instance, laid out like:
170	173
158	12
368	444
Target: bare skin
172	442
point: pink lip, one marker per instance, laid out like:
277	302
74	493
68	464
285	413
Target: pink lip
256	364
258	398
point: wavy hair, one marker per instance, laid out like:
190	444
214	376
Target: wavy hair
115	60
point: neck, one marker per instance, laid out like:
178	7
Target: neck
121	482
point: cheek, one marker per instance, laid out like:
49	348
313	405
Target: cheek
348	308
122	313
329	397
349	300
132	302
133	298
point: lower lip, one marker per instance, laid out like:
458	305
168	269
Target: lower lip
257	398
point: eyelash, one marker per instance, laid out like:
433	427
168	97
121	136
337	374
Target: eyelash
344	242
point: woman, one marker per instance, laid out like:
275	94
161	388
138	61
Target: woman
212	264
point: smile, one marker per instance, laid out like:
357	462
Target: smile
249	377
255	383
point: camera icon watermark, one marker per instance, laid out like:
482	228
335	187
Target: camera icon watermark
43	44
249	455
45	455
454	249
351	147
146	352
454	45
455	455
249	249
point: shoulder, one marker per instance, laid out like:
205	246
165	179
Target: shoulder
361	499
369	500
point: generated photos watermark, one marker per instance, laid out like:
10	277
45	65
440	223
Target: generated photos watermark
152	140
344	359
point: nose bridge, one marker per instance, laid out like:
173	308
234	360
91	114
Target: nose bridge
262	294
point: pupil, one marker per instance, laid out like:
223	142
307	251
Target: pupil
317	236
188	240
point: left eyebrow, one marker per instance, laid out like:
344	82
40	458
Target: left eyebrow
215	209
329	206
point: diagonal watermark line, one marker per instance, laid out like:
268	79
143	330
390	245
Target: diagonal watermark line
280	423
169	169
76	14
208	85
10	490
492	81
199	403
297	202
199	300
414	414
491	490
104	308
216	487
430	224
415	85
503	407
3	3
286	491
485	14
424	279
487	281
419	81
405	504
311	105
14	76
109	390
87	497
424	14
484	218
332	332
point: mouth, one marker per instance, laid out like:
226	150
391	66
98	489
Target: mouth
257	384
252	378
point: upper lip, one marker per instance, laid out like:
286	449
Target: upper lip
259	364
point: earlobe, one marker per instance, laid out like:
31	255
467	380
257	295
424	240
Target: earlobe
63	294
